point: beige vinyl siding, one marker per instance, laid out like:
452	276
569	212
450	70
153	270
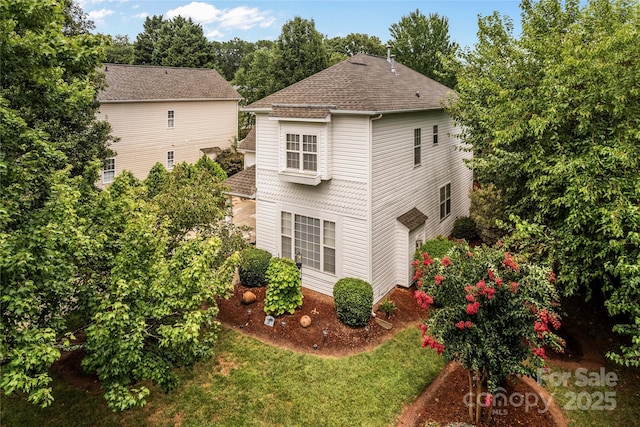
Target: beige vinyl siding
343	199
398	186
145	137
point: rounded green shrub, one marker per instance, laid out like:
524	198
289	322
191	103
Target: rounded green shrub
465	228
353	299
284	293
252	268
436	248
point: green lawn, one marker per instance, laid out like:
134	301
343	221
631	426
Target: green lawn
585	404
250	383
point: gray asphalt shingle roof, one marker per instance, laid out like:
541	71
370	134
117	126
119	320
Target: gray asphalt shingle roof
363	83
243	183
151	83
249	141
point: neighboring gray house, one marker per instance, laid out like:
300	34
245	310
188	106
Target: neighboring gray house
165	114
355	166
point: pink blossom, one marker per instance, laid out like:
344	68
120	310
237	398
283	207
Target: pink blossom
514	287
439	278
473	308
540	352
423	299
488	400
468	324
460	324
446	261
470	298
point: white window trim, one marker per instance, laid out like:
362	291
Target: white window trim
300	175
417	145
435	134
446	202
171	119
322	217
104	181
172	159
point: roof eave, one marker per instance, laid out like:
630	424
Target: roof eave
123	101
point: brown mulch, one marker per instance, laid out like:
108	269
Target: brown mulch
340	340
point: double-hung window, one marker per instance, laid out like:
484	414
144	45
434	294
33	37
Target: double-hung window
171	119
169	160
417	147
313	238
109	171
445	201
435	134
302	157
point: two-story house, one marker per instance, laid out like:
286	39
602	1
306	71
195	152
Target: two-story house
165	114
355	166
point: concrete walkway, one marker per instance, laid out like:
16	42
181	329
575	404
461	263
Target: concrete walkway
244	214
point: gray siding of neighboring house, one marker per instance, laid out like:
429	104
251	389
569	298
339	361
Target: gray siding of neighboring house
145	137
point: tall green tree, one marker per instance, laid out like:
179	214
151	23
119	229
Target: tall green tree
341	48
120	50
146	41
300	52
421	43
256	76
554	120
49	132
227	56
181	43
73	258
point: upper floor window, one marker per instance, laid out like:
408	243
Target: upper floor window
109	171
445	201
435	134
169	160
302	157
417	147
171	118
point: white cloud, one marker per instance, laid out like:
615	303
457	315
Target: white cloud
215	20
203	13
98	16
245	18
141	15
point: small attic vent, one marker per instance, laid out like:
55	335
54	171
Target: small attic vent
358	63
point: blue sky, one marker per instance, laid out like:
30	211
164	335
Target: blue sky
256	20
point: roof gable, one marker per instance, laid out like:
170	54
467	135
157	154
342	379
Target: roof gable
364	83
151	83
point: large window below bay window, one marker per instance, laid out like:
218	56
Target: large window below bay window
313	238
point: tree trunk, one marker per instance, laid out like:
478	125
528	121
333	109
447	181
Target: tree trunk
477	389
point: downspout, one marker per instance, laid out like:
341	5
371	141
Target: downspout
370	191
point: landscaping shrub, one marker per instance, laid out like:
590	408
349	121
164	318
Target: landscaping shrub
437	247
253	267
284	293
353	299
465	228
